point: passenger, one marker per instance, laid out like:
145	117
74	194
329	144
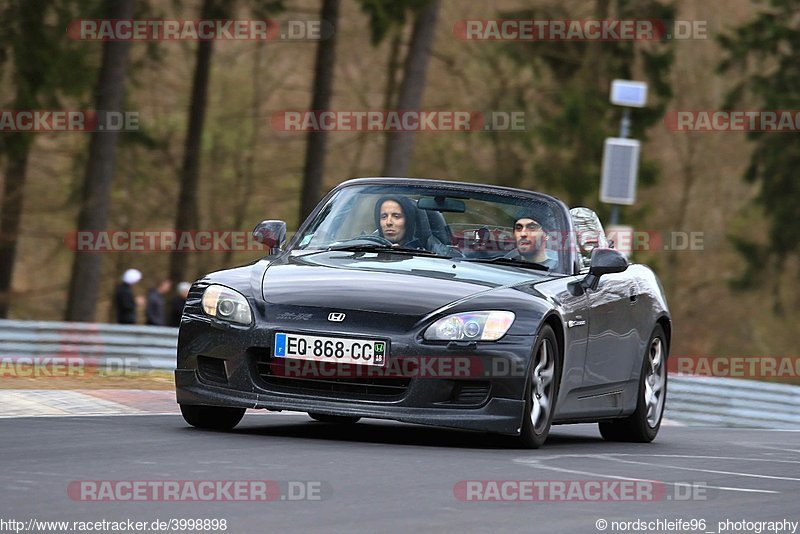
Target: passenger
531	241
395	217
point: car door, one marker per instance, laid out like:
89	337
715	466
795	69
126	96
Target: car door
613	343
573	307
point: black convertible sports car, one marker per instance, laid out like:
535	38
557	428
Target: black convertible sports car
451	304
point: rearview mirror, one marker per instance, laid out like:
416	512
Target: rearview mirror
271	233
441	203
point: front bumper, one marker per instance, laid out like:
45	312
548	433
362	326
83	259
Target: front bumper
497	415
432	400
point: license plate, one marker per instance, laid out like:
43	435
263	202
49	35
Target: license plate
330	349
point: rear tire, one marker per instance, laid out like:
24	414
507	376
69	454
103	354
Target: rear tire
642	425
212	417
541	390
339	419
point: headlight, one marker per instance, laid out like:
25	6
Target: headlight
471	326
226	304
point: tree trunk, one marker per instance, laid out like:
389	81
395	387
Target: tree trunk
187	208
247	171
394	65
17	147
25	47
87	266
400	144
323	90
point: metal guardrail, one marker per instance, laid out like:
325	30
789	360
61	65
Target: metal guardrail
691	400
150	347
732	402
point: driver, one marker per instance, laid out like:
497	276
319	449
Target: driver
396	221
531	240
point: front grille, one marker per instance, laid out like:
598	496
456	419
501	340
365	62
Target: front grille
325	378
212	369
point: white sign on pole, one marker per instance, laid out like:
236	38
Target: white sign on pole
629	93
620	167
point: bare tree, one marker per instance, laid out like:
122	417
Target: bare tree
400	144
246	169
187	208
44	68
323	90
17	147
87	266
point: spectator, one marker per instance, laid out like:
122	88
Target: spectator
154	311
176	310
124	301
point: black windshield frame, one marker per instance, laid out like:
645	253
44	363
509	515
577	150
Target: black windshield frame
566	249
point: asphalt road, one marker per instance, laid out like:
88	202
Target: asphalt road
386	477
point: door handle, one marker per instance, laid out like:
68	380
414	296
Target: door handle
634	294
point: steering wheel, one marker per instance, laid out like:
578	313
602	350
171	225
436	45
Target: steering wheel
372	239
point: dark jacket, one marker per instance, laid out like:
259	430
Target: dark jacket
551	262
124	304
154	311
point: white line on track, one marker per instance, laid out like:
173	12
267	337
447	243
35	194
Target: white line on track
767	447
712	471
536	463
707	457
39	416
740	429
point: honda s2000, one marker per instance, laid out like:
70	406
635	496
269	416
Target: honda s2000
459	305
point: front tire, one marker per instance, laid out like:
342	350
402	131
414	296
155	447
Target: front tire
642	425
541	390
340	419
212	417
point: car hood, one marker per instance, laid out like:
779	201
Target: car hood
383	282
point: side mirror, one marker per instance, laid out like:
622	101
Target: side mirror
604	261
271	233
607	261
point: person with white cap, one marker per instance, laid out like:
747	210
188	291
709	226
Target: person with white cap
124	301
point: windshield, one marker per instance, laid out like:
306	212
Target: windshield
472	225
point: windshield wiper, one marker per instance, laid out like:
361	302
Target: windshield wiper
509	261
375	247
